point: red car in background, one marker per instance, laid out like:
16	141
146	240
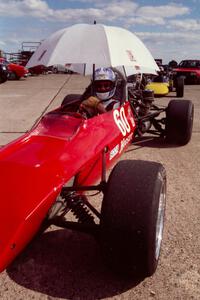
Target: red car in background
15	71
188	69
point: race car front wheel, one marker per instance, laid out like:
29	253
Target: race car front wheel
179	121
179	87
132	217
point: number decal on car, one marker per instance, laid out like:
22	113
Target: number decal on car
121	121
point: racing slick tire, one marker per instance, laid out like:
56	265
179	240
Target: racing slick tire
179	121
179	87
132	217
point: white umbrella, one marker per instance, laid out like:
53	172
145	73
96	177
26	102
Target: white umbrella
97	44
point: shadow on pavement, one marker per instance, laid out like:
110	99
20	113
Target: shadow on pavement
66	264
151	142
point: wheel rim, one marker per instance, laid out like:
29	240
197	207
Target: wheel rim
160	220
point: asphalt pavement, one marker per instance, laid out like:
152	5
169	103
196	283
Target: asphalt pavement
24	101
62	264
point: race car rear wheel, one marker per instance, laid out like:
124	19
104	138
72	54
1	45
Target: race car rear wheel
132	217
179	87
179	121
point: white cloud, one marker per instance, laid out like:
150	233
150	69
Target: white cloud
101	10
125	13
165	11
180	45
145	21
37	8
166	37
186	24
2	43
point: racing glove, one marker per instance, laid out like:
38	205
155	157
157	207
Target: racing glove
92	105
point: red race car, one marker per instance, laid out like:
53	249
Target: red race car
49	171
15	71
189	70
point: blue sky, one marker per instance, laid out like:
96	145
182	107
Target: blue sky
169	29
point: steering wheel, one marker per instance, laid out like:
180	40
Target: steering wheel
84	112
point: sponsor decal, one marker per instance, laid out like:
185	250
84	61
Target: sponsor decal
137	67
125	142
130	55
114	152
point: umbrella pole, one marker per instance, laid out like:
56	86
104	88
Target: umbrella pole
93	72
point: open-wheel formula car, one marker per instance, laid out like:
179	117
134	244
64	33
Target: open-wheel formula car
48	172
165	82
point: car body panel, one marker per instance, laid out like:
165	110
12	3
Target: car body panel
189	69
36	166
159	88
20	71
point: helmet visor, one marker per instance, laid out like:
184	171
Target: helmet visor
103	86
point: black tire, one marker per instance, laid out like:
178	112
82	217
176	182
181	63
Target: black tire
3	73
55	70
179	121
179	87
3	78
132	217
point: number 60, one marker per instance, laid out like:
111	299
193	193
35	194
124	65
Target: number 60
121	121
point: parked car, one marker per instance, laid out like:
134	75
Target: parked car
37	70
15	71
61	69
189	70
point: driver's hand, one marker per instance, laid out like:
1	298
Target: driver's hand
90	102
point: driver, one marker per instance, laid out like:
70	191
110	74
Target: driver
104	87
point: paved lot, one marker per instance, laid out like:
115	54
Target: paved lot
62	264
23	102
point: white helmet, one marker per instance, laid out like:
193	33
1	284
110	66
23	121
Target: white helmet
104	83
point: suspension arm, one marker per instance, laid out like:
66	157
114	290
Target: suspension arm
81	227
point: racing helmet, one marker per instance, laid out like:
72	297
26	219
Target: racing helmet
104	83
